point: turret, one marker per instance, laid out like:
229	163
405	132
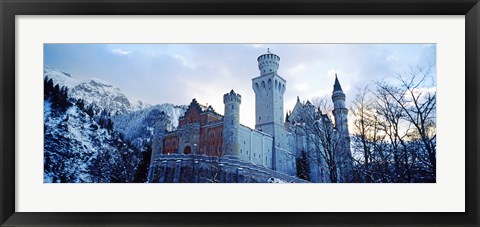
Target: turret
231	124
268	63
340	111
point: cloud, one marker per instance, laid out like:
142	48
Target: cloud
331	73
301	87
296	69
184	61
257	45
119	51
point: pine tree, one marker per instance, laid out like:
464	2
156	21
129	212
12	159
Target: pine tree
142	169
302	167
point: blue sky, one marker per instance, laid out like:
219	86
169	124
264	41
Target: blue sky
177	73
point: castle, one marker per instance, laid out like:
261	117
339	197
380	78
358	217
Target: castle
297	147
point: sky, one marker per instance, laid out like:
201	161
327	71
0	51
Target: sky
177	73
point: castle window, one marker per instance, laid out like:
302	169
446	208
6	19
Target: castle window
167	144
212	134
240	151
187	150
259	118
232	107
174	142
220	133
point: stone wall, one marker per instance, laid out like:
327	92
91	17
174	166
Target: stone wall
179	168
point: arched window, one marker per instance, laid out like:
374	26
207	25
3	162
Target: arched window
167	143
187	150
212	134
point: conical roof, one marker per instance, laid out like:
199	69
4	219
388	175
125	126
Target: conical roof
336	86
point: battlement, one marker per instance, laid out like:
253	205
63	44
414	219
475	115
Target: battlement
232	97
268	63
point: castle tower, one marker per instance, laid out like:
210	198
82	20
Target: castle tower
340	113
269	89
231	123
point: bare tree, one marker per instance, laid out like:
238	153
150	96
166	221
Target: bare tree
365	132
322	136
418	104
394	130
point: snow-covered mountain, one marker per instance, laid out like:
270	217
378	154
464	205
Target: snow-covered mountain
103	95
60	77
138	126
83	143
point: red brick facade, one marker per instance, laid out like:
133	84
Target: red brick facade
211	132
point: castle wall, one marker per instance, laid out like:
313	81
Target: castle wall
255	147
211	139
285	161
179	168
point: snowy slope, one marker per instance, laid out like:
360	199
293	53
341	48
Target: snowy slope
138	126
100	93
71	145
60	77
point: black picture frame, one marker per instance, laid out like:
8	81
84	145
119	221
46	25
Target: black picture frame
10	8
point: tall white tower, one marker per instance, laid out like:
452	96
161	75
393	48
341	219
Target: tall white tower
340	113
269	89
231	122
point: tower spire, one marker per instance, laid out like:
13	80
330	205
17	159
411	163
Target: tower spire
336	86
